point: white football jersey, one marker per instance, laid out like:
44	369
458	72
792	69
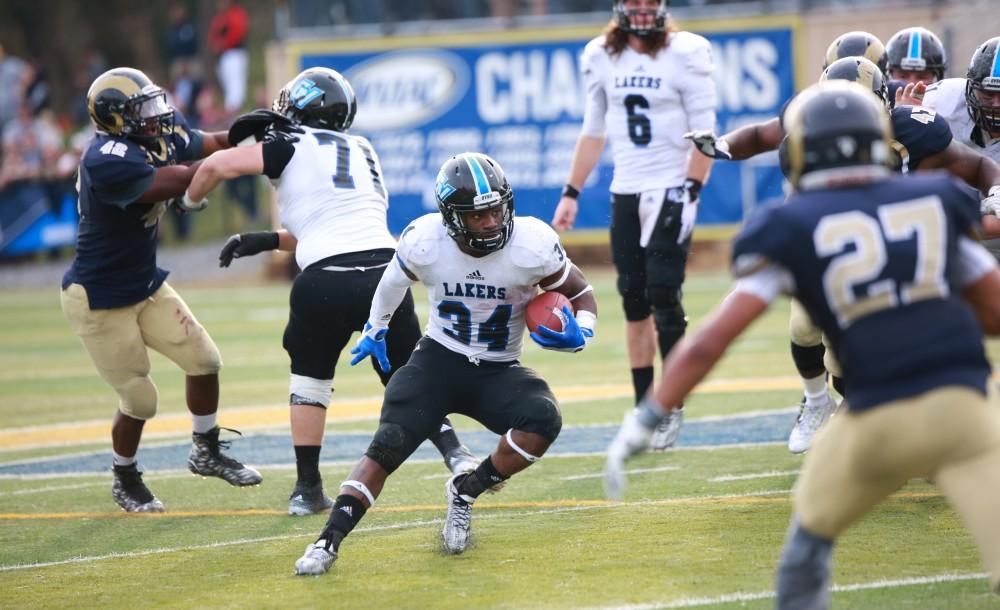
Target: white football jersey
947	97
332	198
644	105
477	304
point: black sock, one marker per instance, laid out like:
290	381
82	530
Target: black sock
347	511
479	480
307	464
642	378
444	438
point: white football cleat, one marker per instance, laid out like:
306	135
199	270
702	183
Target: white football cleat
666	433
316	561
457	521
811	418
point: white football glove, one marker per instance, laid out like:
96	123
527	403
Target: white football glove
710	146
193	206
991	204
632	438
689	213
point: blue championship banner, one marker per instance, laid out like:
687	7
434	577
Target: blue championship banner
518	96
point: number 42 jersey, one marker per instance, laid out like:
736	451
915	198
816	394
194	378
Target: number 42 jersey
879	268
644	105
477	304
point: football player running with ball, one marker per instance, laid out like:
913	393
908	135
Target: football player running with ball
887	265
332	203
647	84
117	299
481	267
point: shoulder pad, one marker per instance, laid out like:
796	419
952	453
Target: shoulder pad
535	244
115	160
945	95
419	243
695	49
592	54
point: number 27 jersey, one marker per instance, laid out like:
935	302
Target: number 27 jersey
477	304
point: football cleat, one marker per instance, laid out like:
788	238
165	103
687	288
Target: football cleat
811	418
131	493
317	559
666	432
308	500
458	519
206	458
460	460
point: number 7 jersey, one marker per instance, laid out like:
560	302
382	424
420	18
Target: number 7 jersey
644	105
477	304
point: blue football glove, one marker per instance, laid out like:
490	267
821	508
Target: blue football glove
573	338
372	343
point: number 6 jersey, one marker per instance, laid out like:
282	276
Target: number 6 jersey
645	105
477	304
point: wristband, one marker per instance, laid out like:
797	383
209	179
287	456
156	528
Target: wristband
693	188
570	191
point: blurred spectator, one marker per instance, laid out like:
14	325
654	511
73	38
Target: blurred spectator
15	75
38	93
182	37
92	65
227	36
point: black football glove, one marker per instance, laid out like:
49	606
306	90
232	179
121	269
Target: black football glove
247	244
262	124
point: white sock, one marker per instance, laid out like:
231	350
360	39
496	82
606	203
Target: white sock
203	423
121	460
815	389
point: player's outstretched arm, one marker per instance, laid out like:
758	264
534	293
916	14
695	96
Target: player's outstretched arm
168	182
223	165
585	157
752	140
250	244
212	142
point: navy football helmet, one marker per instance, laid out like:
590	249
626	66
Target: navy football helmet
856	44
623	18
917	49
834	125
472	182
984	77
861	71
125	102
320	98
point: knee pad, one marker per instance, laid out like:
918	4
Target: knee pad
669	316
138	397
809	360
309	391
633	292
544	420
391	446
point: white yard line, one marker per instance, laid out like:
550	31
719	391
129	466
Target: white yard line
598	475
755	475
694	602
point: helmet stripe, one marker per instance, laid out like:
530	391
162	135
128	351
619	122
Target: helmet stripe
914	45
478	175
996	61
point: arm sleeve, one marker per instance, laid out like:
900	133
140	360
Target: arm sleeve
596	105
698	89
389	294
277	154
767	282
974	261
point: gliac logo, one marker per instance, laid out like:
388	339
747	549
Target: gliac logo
442	187
406	89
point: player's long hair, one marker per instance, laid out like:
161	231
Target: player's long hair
616	39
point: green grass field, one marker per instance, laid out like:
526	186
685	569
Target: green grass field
701	526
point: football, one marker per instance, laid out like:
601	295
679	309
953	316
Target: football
542	310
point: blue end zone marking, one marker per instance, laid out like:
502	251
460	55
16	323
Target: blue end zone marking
482	185
276	449
914	45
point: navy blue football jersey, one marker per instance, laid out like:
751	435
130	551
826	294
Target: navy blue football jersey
918	133
116	245
875	266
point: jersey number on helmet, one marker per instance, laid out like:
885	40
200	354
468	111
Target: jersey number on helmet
640	130
854	272
493	333
342	179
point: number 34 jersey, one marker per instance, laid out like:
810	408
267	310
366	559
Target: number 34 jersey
879	268
477	304
644	105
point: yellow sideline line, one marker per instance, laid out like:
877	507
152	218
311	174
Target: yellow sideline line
415	508
340	410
